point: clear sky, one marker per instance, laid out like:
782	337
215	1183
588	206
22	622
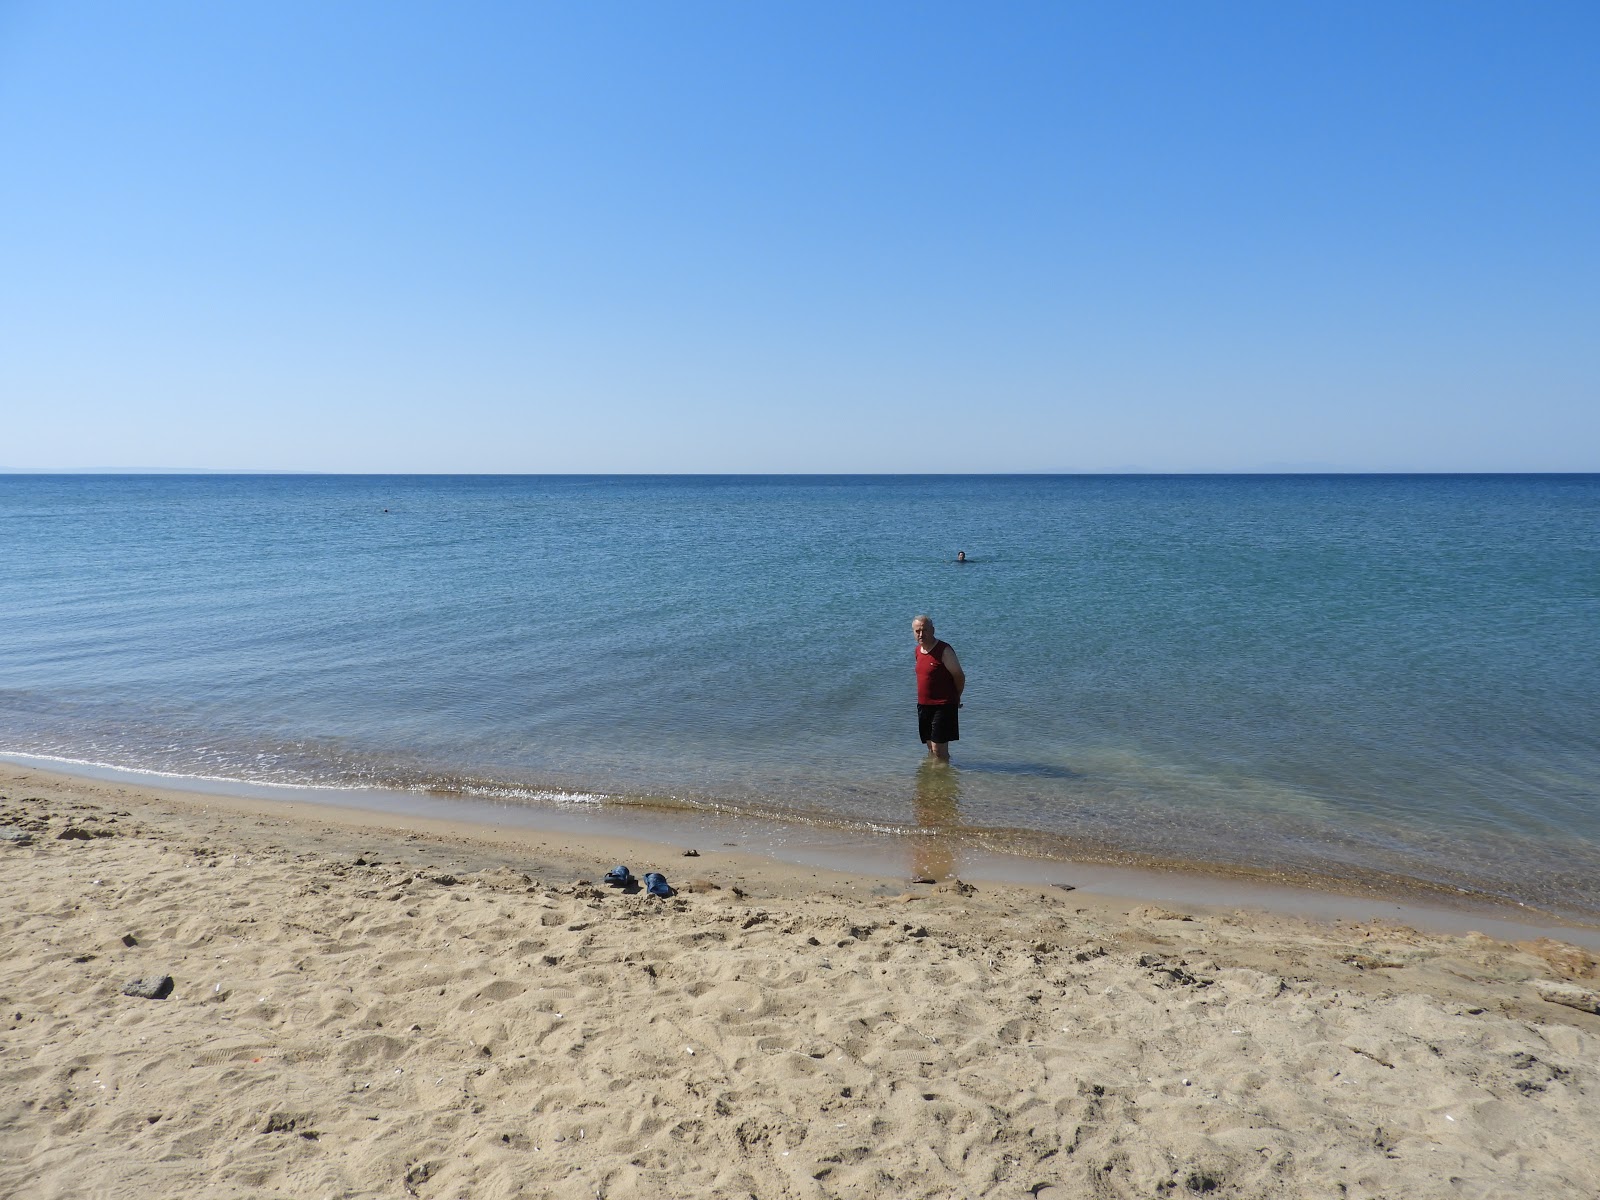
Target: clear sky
809	236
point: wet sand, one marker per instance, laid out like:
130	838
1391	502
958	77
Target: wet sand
381	1005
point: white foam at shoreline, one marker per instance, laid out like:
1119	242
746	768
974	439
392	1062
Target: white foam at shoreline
544	795
24	759
476	792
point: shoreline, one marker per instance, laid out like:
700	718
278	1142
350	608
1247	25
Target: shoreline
394	1006
1364	895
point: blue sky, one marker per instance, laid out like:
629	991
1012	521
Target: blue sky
800	236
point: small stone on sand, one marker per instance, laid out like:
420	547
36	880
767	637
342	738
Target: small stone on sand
151	987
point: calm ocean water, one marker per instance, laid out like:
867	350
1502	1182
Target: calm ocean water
1347	675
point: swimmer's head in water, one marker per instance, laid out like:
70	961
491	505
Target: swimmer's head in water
961	556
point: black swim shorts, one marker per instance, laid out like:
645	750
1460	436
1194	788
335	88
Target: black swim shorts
938	723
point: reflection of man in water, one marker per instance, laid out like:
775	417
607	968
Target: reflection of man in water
936	803
940	682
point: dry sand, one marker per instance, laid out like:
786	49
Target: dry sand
369	1006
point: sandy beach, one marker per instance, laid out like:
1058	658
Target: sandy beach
376	1006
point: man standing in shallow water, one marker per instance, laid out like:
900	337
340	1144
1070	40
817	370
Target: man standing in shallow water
940	682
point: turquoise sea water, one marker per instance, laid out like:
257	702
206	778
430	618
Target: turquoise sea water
1346	675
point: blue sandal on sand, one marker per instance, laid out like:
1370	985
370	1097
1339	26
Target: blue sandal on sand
656	884
619	876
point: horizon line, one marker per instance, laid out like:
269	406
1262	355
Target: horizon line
1116	472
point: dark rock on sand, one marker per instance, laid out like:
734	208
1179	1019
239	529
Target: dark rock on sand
151	987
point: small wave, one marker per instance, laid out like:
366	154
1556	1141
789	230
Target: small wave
25	758
373	781
499	791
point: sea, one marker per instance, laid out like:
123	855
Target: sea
1381	680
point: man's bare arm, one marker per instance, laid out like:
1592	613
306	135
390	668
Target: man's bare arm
953	665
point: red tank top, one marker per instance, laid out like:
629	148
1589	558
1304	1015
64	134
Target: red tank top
935	684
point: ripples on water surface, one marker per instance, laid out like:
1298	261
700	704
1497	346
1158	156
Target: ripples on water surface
1336	674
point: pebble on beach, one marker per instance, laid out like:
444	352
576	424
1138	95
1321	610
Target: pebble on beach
150	987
